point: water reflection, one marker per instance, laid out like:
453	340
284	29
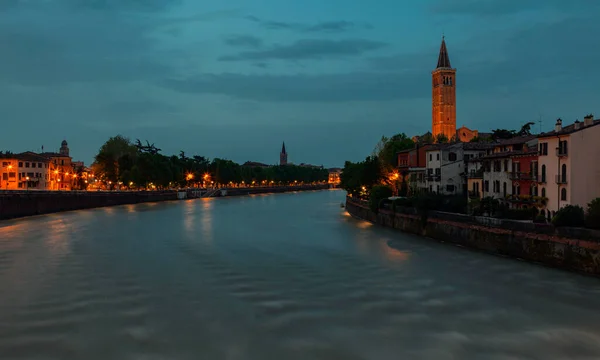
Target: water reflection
274	277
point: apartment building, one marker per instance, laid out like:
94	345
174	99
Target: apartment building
24	171
569	171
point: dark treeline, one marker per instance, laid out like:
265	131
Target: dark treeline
136	165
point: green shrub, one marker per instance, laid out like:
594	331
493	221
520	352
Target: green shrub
540	219
570	215
592	216
378	193
519	214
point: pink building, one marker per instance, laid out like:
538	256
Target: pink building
569	171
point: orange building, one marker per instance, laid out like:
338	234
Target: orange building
443	96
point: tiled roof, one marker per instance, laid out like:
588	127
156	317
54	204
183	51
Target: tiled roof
516	140
443	58
31	156
478	146
569	129
505	154
53	154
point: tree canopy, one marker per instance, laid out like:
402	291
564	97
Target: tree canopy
138	166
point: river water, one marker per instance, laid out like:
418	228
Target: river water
288	276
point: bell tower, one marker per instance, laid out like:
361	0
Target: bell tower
283	156
443	96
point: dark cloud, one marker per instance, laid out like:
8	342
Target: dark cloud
364	86
243	41
504	7
140	107
325	27
309	49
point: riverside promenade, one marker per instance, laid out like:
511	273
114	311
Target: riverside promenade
16	204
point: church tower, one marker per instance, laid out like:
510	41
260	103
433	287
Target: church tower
283	155
443	96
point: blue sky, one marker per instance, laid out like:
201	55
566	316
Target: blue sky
234	79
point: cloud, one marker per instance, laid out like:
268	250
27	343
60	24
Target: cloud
243	41
363	86
309	49
140	107
504	7
325	27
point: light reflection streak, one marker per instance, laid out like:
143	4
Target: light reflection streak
207	219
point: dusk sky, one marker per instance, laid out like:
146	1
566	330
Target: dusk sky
233	79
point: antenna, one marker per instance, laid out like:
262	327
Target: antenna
540	121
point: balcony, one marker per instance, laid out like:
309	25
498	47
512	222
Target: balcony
434	178
475	174
561	179
560	152
523	176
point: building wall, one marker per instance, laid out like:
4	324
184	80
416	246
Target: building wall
443	102
21	169
553	163
464	134
61	173
583	150
434	161
502	176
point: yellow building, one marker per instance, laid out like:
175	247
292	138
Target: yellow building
61	172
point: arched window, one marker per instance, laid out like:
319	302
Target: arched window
563	194
504	189
563	173
543	173
543	192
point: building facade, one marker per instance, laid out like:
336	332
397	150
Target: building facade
447	166
25	171
569	172
443	96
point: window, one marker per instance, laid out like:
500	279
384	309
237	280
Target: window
563	173
543	173
4	176
437	156
504	189
452	156
39	165
505	165
450	188
543	192
20	164
26	164
563	194
543	149
438	172
430	157
486	186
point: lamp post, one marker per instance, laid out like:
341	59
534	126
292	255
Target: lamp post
27	183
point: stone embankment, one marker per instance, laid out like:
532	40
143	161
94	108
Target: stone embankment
565	248
15	204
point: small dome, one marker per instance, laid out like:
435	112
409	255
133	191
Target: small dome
64	143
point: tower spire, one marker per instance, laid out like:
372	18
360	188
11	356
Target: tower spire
443	58
283	148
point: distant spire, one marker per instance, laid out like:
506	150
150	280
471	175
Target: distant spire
283	148
443	58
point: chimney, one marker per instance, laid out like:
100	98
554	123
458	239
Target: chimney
588	120
577	124
558	126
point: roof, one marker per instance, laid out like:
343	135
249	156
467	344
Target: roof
478	146
283	148
31	156
443	58
53	154
505	154
516	140
569	129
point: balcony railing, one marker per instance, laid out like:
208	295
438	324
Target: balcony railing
523	176
561	179
561	151
475	174
434	178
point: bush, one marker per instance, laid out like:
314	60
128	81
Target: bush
378	193
592	216
519	214
540	219
570	215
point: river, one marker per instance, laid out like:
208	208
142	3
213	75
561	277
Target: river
287	276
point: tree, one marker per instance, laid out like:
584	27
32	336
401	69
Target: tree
525	129
592	216
570	215
387	154
115	156
441	139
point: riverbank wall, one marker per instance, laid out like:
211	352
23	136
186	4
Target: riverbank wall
16	204
565	248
